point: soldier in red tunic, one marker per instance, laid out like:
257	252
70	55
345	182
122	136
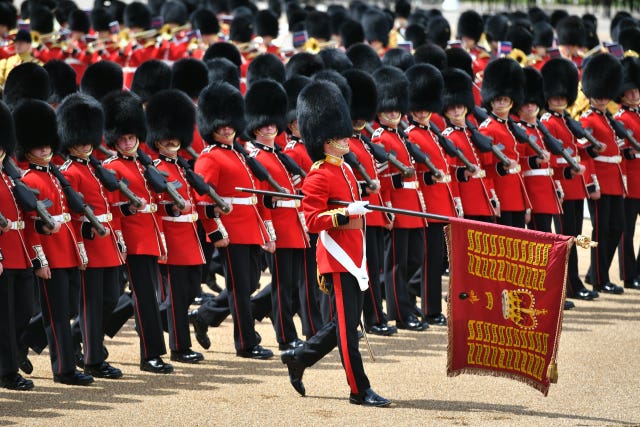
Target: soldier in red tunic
56	254
502	90
325	125
405	249
100	286
601	81
266	103
141	226
170	120
629	115
16	291
425	97
470	28
240	235
560	91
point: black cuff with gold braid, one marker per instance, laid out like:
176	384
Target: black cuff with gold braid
338	216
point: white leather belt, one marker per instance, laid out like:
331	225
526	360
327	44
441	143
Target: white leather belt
182	218
288	203
608	159
63	218
253	200
538	172
480	173
16	225
637	155
563	161
412	185
101	218
150	208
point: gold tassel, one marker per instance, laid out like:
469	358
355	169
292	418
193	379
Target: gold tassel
322	282
552	372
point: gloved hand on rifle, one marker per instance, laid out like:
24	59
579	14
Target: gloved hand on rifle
358	208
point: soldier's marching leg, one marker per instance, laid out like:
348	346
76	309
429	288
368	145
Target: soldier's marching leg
375	320
286	271
184	283
432	291
626	251
308	291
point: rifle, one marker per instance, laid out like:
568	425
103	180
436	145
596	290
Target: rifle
451	149
25	196
418	155
158	181
345	203
485	143
522	136
258	168
556	148
352	161
575	127
199	184
381	156
292	167
76	201
622	132
4	222
111	183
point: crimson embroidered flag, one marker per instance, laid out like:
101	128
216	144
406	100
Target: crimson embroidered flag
506	296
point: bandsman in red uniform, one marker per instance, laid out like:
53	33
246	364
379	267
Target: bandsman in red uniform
629	115
240	235
475	189
405	249
267	28
326	126
571	37
545	197
502	90
364	99
470	28
141	226
601	81
266	103
56	254
100	286
560	91
16	291
22	43
170	120
426	87
542	41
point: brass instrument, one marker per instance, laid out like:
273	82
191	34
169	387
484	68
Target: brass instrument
167	32
519	56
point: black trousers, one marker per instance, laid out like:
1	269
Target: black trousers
607	218
372	307
511	218
99	293
16	308
541	222
346	298
309	294
434	265
183	287
56	314
143	280
242	275
628	260
404	255
570	224
287	283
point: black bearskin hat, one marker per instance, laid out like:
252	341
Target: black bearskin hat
28	136
79	21
425	88
205	21
631	73
189	75
219	104
560	77
470	25
503	77
101	78
170	115
265	66
266	104
438	31
495	27
100	19
84	109
8	15
318	25
41	19
293	87
7	131
150	78
534	87
602	76
571	31
364	57
62	80
542	34
393	89
335	59
337	79
123	115
137	15
26	81
323	114
459	58
521	38
351	33
629	38
223	70
266	24
223	50
364	95
431	54
376	26
303	63
174	12
397	57
458	89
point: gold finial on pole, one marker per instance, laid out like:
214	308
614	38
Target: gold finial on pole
585	242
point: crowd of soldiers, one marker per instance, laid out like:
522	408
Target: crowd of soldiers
144	146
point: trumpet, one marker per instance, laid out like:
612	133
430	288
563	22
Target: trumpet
167	32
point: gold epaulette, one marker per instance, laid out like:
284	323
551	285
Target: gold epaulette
631	53
334	215
317	164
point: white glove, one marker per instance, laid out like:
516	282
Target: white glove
358	208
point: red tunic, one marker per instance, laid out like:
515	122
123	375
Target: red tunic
60	248
143	230
331	181
408	194
13	248
631	162
181	234
102	251
225	169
